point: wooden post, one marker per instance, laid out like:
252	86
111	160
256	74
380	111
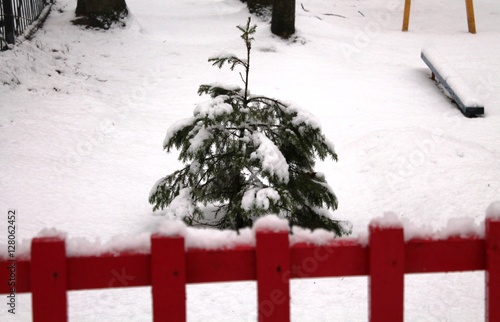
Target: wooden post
471	22
48	280
273	272
492	269
470	16
406	15
168	278
8	12
387	265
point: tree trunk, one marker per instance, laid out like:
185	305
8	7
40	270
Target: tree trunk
283	21
100	13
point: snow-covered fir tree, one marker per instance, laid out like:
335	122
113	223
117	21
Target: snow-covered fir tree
247	156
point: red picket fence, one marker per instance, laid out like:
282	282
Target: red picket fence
272	262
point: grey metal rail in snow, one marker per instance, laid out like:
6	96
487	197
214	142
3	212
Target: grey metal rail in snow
17	18
453	84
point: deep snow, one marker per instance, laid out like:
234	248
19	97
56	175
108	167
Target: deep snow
84	114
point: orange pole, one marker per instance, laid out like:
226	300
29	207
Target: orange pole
470	16
406	17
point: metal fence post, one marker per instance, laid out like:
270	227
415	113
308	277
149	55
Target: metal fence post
9	21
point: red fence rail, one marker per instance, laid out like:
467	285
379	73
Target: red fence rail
272	262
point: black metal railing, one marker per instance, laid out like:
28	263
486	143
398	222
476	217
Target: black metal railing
16	17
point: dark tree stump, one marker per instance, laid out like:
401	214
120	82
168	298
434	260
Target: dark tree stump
283	21
100	13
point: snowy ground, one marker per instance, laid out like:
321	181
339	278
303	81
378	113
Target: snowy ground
84	113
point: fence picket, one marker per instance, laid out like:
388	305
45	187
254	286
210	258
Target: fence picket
492	270
17	16
48	280
168	278
49	274
273	273
387	265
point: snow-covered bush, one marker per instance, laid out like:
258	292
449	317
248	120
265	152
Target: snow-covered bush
247	156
